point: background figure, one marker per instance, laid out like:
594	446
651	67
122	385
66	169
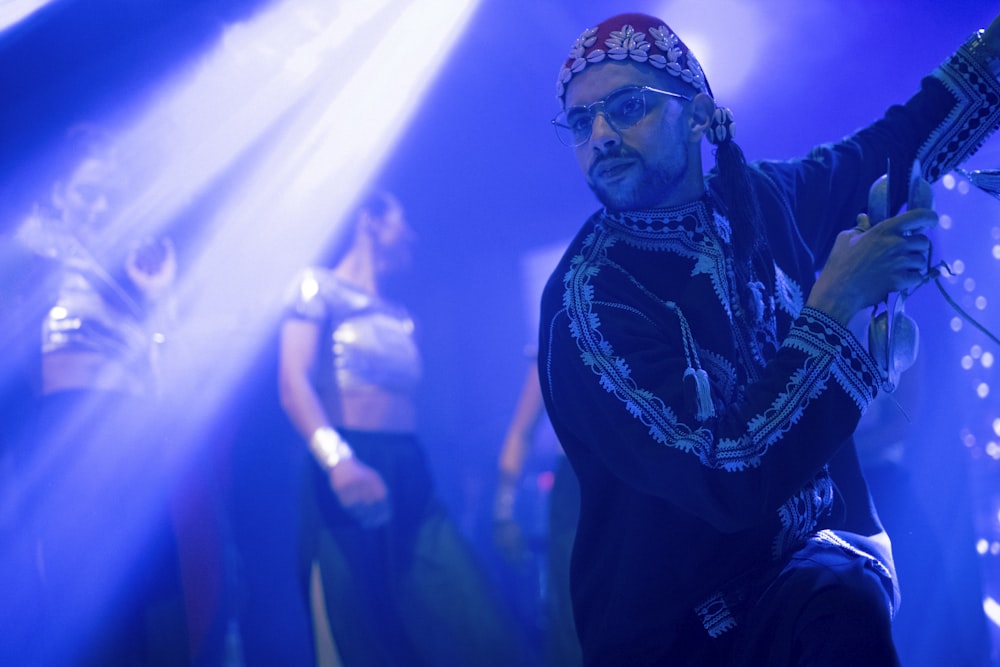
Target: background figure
400	585
562	648
90	566
702	377
940	619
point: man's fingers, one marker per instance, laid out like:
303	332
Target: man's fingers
914	222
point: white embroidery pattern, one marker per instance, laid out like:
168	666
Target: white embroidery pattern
715	615
788	293
975	116
799	515
614	374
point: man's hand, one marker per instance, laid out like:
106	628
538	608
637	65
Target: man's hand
361	492
867	263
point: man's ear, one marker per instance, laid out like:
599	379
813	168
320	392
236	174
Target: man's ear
702	109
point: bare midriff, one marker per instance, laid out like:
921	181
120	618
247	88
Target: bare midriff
375	409
76	369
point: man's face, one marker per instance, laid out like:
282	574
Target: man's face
88	198
640	166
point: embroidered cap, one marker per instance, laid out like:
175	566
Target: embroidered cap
637	37
646	40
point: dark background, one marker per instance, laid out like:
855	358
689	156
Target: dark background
485	184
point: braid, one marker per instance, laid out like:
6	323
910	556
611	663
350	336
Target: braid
749	234
741	200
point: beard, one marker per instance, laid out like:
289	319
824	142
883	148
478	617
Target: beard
646	190
653	181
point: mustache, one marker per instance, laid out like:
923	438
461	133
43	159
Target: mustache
615	153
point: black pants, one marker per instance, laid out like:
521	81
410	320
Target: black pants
562	646
88	556
410	592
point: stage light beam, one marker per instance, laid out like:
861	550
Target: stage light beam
13	12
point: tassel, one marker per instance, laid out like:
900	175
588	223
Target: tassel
698	394
697	389
755	300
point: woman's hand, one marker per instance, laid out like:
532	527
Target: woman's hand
151	265
361	492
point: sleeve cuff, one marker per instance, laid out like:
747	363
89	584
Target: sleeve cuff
970	76
818	335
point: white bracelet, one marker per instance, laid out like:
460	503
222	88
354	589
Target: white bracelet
329	448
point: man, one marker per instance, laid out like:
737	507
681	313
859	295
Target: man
701	379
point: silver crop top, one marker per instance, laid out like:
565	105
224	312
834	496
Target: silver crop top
84	319
90	311
368	341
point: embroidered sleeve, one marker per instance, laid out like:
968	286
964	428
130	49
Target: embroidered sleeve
956	109
622	396
851	367
975	116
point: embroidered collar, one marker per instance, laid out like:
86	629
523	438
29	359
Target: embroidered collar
696	215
